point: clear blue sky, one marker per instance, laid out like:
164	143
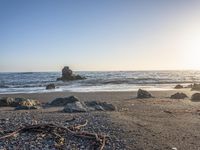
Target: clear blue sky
45	35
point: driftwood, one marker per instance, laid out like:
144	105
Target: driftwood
58	130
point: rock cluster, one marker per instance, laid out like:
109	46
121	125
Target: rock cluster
19	103
178	96
67	75
143	94
72	104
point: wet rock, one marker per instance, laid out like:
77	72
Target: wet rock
143	94
178	86
178	96
195	87
196	97
67	75
50	86
75	107
100	106
64	101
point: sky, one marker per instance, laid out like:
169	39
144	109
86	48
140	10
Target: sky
99	35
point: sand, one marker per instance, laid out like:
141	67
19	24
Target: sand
155	123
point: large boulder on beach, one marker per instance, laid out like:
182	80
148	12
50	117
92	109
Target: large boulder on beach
75	107
67	75
178	96
15	102
195	87
63	101
196	97
178	86
100	106
7	101
50	86
26	102
143	94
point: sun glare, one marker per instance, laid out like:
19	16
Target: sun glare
191	50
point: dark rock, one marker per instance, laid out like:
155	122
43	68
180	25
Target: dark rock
75	107
26	107
178	96
50	86
195	87
178	86
196	97
64	101
7	101
143	94
101	106
67	75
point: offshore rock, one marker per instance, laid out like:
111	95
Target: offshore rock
67	75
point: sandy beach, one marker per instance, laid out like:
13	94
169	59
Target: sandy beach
155	123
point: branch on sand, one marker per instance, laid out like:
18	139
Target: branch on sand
58	130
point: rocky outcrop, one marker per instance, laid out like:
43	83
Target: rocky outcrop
16	102
143	94
178	86
179	96
67	75
195	87
64	101
196	97
50	86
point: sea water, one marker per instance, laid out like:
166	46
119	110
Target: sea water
35	82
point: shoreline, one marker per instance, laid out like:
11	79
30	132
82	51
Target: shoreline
154	123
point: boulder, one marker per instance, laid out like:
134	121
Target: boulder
178	86
67	75
14	102
101	106
64	101
178	96
7	101
195	87
75	107
196	97
26	102
50	86
143	94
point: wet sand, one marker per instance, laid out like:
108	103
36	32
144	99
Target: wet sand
155	123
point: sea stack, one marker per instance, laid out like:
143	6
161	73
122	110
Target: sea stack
67	75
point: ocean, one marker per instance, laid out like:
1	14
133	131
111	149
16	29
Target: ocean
35	82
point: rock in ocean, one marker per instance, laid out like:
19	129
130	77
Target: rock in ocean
67	75
50	86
